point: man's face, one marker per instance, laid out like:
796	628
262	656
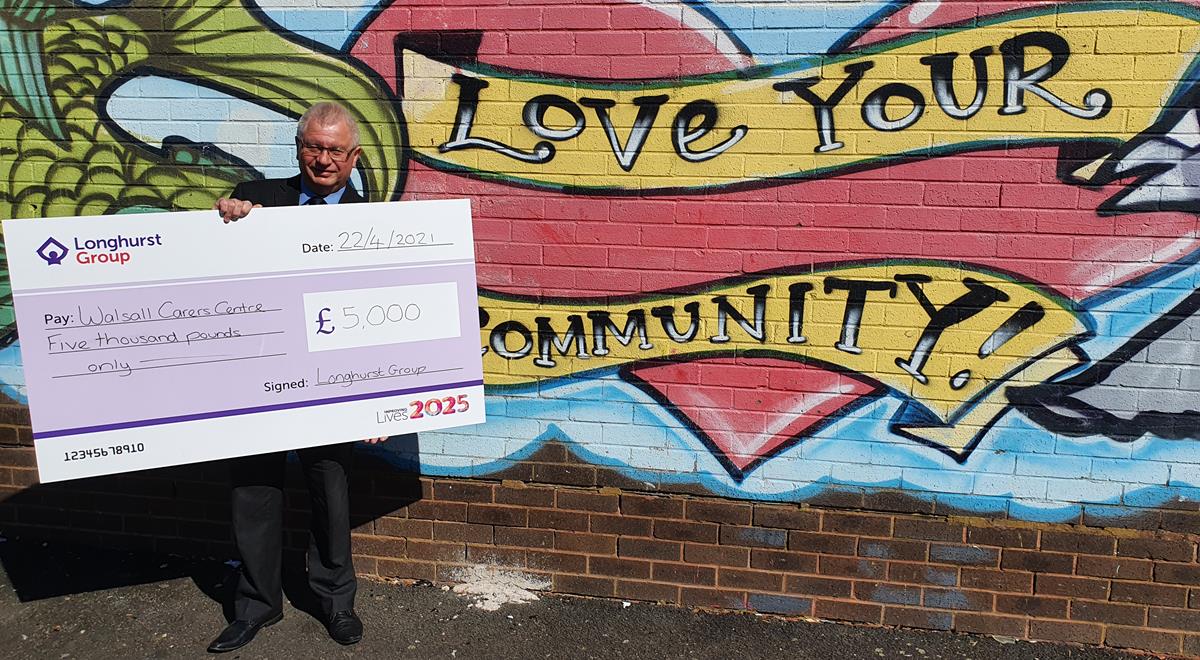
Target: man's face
326	156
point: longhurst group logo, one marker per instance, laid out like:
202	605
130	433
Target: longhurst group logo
53	252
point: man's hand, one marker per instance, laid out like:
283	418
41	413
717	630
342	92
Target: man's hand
232	210
373	441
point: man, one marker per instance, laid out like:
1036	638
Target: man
327	151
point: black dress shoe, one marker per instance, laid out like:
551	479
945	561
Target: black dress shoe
240	633
345	627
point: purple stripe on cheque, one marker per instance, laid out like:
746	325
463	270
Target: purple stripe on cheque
249	411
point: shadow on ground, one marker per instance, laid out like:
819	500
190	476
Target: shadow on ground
147	527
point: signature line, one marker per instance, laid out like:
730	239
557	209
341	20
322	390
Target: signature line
347	383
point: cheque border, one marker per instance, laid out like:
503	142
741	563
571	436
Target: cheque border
116	426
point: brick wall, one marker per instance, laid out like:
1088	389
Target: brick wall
868	267
1124	588
888	561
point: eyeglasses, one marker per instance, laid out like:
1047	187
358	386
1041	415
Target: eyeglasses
336	154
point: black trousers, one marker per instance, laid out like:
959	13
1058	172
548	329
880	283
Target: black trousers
258	483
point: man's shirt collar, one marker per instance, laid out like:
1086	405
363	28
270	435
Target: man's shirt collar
332	198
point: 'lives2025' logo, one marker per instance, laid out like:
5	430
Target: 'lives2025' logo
112	250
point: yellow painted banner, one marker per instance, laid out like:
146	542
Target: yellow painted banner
1090	71
943	337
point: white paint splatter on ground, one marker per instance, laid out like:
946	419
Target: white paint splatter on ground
490	587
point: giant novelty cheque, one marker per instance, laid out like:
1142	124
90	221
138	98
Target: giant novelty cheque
167	338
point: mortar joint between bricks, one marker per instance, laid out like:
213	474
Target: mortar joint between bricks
1010	523
1006	523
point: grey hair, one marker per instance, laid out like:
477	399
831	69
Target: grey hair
328	113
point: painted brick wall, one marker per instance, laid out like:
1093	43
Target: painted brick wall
791	278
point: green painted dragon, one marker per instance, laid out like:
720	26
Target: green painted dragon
60	154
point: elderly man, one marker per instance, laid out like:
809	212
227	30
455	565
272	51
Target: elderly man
327	151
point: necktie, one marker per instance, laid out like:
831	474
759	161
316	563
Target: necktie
313	201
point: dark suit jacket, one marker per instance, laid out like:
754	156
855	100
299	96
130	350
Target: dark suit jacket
283	192
259	482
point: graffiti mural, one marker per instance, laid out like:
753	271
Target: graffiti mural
764	249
